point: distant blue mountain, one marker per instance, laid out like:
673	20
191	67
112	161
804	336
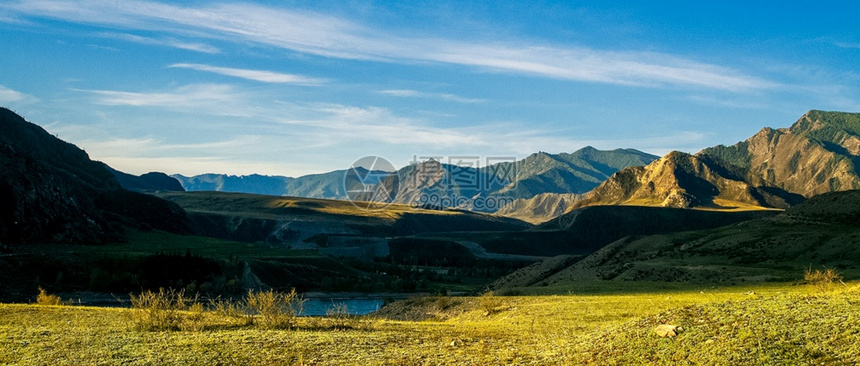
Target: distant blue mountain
258	184
435	184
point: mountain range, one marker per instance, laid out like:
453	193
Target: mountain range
588	203
775	168
326	185
435	184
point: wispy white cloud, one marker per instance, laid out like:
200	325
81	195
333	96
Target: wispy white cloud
847	45
13	96
152	147
440	96
342	124
256	75
329	36
316	137
232	155
727	103
326	125
168	42
249	154
184	97
192	100
321	124
11	19
101	47
592	65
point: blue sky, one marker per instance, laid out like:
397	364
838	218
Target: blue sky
298	87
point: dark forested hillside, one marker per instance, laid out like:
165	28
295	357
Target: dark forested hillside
52	192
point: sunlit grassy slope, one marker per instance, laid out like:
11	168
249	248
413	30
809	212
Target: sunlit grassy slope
718	205
262	206
328	216
267	207
751	325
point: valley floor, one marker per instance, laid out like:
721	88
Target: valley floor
765	324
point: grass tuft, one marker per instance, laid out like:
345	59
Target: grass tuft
44	298
341	318
824	280
275	310
163	310
237	311
490	303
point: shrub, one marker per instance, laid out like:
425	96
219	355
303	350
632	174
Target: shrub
44	298
195	317
275	310
490	303
231	309
340	317
442	303
823	280
173	310
162	310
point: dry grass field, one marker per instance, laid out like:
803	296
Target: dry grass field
813	323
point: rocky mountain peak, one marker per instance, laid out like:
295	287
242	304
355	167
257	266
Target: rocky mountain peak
682	180
817	154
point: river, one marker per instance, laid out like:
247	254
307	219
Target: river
319	306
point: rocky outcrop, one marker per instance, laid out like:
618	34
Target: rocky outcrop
775	168
684	181
819	153
540	208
